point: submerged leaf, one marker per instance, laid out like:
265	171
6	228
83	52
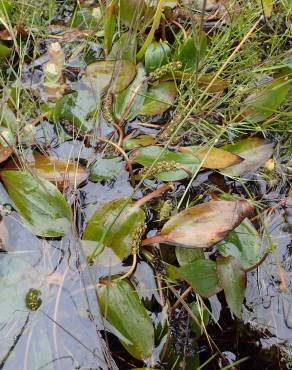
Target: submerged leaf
114	227
159	98
39	203
141	140
242	243
205	224
232	279
213	158
255	151
105	169
118	74
202	276
121	306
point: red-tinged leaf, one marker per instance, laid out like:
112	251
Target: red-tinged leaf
232	279
60	172
203	225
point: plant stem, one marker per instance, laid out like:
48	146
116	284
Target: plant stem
153	194
150	36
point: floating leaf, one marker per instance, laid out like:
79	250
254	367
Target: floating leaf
119	74
203	225
105	169
77	110
185	256
260	106
192	51
243	243
60	172
121	306
255	151
157	54
39	203
213	158
141	140
202	276
125	48
232	279
159	98
147	156
128	102
114	227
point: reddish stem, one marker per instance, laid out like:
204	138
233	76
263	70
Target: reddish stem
153	240
153	194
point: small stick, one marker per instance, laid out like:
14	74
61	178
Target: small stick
153	194
182	296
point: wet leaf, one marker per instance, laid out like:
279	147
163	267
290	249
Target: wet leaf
192	51
114	226
232	279
84	19
141	140
60	172
77	111
159	98
121	306
205	224
147	156
128	102
185	256
255	151
157	54
125	48
119	74
105	169
243	243
40	204
213	158
260	106
202	276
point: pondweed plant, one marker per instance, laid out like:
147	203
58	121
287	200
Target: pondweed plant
144	161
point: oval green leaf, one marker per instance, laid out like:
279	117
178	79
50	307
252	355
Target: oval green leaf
128	102
232	279
40	204
105	169
192	51
243	243
114	228
116	74
185	256
157	54
159	98
121	306
202	277
260	106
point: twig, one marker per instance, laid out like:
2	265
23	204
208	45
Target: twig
153	194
